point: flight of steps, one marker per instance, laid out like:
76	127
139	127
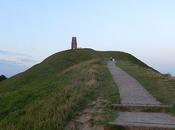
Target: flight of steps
143	117
138	110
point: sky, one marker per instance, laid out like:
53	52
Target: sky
34	29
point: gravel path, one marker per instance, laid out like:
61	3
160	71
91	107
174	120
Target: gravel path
131	91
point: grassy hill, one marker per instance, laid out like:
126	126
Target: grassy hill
50	94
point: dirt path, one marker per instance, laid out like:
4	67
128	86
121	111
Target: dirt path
88	118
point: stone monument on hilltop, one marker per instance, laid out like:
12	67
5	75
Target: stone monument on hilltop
74	43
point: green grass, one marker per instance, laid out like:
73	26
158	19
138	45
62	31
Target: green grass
72	90
50	94
37	81
160	86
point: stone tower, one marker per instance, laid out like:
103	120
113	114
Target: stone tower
74	43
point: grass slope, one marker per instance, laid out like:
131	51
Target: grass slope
50	94
37	81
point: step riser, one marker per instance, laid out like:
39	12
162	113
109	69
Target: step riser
145	128
141	109
134	128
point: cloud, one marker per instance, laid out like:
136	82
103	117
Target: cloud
3	52
10	68
27	60
18	58
12	63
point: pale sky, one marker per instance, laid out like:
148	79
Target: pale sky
39	28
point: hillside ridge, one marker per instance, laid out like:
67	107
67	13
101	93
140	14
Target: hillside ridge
28	93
